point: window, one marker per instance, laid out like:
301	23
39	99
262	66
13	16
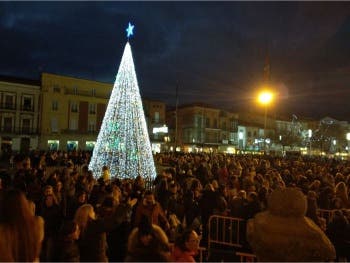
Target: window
224	125
92	126
53	145
89	145
156	117
8	124
26	125
207	122
54	105
73	124
75	90
56	89
9	101
54	124
74	106
27	103
72	145
92	108
215	123
93	92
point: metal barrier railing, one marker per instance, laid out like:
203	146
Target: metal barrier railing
225	231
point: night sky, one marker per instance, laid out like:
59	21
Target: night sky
214	51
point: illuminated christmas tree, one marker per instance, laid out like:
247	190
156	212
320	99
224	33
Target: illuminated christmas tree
123	144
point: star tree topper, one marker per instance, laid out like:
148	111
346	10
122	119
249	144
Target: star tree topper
129	30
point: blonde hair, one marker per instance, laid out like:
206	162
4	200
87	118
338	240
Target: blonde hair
82	216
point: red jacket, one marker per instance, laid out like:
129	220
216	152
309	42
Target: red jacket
183	256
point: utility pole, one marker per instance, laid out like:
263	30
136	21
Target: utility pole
176	106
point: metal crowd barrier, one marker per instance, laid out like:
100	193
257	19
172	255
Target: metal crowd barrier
225	231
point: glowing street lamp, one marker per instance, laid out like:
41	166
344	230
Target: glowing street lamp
265	97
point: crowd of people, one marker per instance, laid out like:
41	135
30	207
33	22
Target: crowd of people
52	208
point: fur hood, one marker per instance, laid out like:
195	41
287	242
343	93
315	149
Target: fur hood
161	240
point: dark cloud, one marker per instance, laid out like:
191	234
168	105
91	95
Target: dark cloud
214	51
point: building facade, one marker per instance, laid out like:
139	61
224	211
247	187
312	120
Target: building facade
155	112
19	114
72	112
201	127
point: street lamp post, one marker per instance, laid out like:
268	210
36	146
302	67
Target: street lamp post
310	135
265	98
348	140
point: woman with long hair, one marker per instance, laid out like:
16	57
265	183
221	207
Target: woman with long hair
21	232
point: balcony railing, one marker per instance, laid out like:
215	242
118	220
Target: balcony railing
76	131
8	106
12	106
27	108
19	130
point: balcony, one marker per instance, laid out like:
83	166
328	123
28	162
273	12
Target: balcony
70	131
86	93
19	130
8	106
27	108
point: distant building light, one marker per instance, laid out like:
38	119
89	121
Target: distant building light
348	136
309	133
163	129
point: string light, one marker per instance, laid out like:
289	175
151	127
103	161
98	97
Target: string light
123	143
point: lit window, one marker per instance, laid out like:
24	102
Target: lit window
74	107
92	108
53	145
54	105
156	117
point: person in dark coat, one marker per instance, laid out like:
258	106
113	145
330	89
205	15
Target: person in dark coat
238	204
67	249
93	243
53	216
252	206
338	233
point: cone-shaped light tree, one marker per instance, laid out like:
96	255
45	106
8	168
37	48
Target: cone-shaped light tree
123	144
